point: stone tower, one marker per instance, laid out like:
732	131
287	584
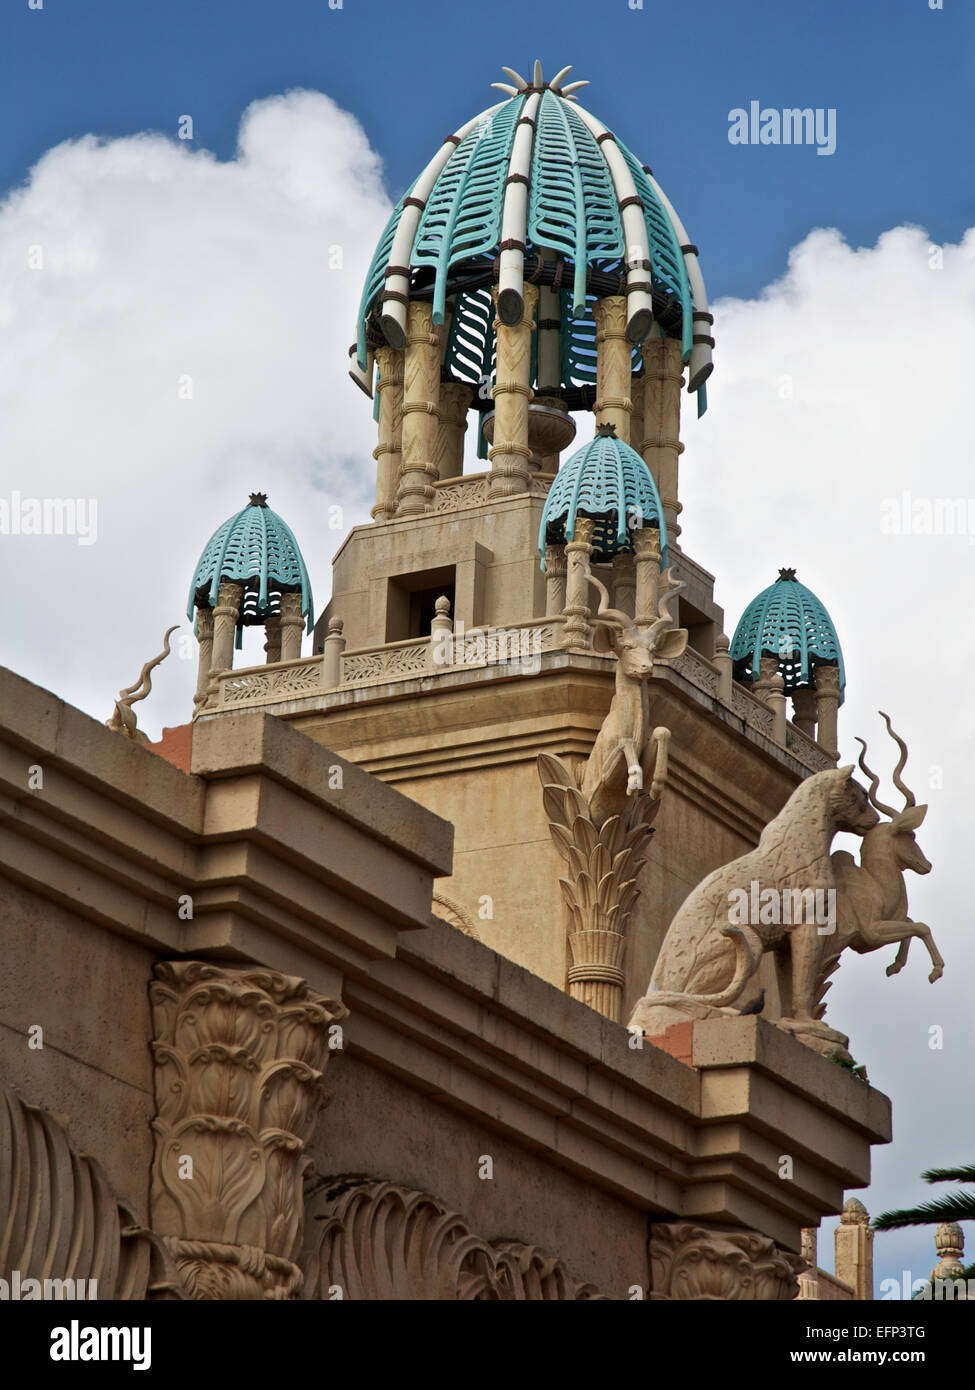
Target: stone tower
536	275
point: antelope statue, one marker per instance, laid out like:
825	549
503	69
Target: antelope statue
871	899
620	761
124	719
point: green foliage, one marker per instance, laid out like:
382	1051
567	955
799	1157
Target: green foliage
957	1206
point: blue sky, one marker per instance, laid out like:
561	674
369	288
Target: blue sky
898	74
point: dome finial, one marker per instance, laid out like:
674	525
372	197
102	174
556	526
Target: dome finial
258	499
606	431
786	574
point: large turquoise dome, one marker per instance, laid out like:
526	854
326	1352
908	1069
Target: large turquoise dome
256	549
608	482
535	189
786	621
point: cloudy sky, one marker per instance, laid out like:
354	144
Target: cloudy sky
175	314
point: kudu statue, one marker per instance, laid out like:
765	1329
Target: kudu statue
124	719
627	755
871	899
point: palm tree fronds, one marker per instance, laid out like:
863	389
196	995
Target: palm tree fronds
950	1174
958	1206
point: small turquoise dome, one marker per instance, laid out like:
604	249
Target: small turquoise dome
786	621
607	481
256	549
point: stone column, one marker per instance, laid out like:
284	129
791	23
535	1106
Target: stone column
291	625
421	411
827	704
454	402
239	1056
388	452
613	363
204	629
332	654
661	423
804	710
637	392
776	701
554	580
272	639
225	616
722	659
577	610
624	582
688	1261
510	453
853	1249
646	548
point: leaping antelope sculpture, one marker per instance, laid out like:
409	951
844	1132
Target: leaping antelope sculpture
626	755
871	899
124	719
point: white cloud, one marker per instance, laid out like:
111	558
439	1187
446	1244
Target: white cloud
160	261
873	343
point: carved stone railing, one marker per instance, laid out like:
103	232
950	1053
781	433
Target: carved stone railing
392	661
499	646
806	750
473	490
264	685
748	707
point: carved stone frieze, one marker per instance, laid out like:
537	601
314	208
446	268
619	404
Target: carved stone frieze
374	1240
714	1263
360	668
302	677
239	1059
63	1232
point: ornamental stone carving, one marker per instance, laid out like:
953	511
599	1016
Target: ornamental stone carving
774	898
603	864
63	1232
374	1240
719	1264
239	1059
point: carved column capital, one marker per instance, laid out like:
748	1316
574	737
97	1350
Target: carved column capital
647	557
291	626
555	566
827	705
204	635
688	1261
239	1056
226	615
